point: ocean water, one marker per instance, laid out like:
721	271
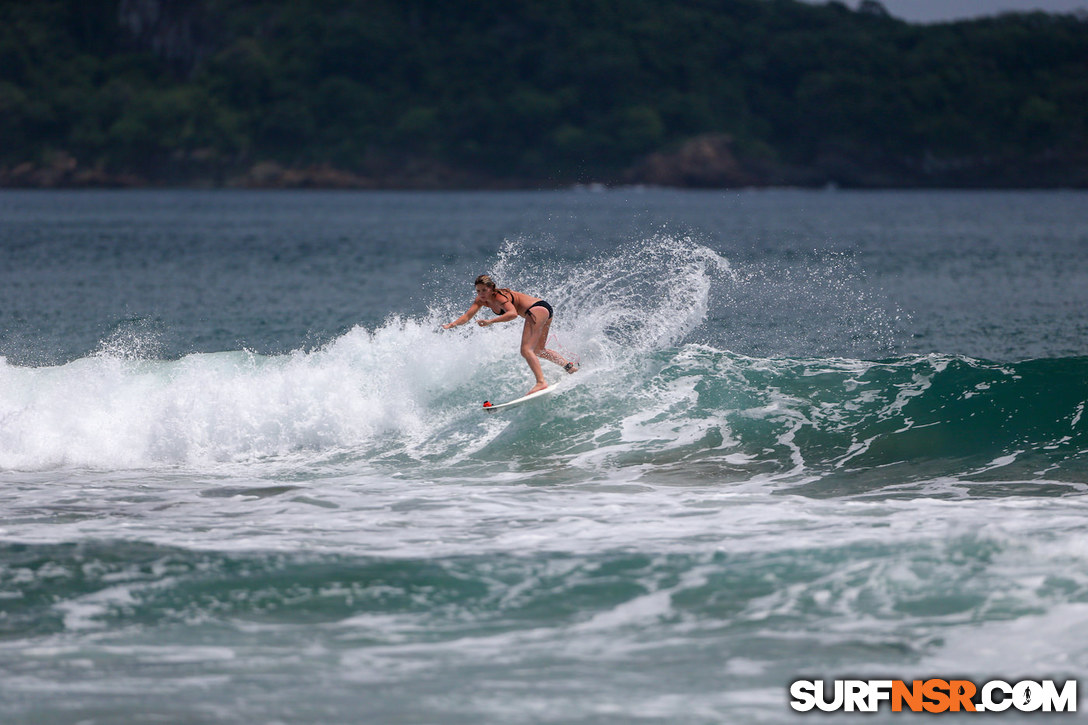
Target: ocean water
245	476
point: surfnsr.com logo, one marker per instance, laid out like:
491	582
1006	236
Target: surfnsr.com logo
933	696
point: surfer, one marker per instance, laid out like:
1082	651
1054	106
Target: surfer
508	304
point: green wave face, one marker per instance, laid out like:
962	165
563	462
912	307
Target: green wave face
831	427
823	427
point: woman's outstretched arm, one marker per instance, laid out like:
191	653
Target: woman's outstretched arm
469	314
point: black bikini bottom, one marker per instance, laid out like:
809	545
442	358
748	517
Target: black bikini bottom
543	304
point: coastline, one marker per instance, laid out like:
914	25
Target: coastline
709	161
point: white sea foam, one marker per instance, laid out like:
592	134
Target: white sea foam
405	388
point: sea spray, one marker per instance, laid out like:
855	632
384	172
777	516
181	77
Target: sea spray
648	296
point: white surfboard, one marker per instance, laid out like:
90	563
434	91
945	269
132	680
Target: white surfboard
523	399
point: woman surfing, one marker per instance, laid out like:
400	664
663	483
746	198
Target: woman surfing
508	304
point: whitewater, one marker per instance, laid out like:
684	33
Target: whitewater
245	474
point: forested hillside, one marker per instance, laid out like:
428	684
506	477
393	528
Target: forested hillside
493	93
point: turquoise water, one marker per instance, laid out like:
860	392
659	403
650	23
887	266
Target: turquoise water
244	475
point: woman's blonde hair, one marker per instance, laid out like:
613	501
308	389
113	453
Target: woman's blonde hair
486	281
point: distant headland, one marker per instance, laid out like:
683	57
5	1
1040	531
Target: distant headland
406	94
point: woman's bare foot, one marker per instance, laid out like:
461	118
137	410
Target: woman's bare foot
537	388
570	367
